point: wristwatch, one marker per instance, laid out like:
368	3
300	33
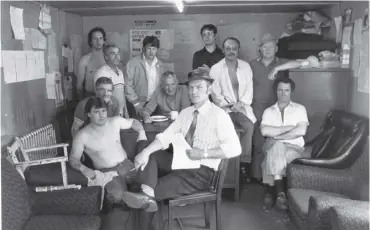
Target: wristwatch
205	154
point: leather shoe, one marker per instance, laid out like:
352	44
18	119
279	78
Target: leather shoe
268	201
140	201
281	202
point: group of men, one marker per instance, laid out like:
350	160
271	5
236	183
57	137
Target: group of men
241	94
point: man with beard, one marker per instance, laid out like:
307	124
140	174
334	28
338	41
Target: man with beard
170	96
232	90
90	62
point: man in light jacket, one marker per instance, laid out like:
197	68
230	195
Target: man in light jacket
142	76
232	90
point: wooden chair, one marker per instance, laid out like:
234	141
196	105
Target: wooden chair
213	195
38	147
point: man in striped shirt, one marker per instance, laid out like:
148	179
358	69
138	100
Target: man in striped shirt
110	70
211	53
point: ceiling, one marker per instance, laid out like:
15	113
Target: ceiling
102	8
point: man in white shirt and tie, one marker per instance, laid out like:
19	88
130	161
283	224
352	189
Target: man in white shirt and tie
232	90
110	70
208	130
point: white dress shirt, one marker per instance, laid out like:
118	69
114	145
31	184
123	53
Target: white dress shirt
118	83
151	73
293	114
222	89
214	129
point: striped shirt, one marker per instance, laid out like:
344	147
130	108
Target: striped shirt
214	129
204	57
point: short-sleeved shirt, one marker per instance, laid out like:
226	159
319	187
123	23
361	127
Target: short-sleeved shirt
263	93
293	114
167	103
80	117
204	57
118	81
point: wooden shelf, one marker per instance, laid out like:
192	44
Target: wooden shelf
320	70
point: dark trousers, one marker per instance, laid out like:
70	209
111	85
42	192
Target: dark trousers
174	183
258	156
246	137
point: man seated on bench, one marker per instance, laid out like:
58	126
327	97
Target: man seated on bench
283	124
100	140
104	90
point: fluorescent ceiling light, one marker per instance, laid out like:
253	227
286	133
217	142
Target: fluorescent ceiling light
179	5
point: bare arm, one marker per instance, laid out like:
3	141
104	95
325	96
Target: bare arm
273	131
288	65
82	72
299	131
75	156
75	127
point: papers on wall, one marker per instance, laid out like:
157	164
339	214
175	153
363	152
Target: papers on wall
27	42
356	48
363	70
23	65
180	158
34	39
163	54
169	67
184	31
137	36
16	19
145	24
54	88
65	51
45	19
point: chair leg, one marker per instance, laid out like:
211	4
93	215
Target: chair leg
218	214
170	217
207	214
160	217
64	174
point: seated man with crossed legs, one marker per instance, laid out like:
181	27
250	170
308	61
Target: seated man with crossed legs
283	124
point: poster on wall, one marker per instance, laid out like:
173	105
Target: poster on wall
145	24
165	37
184	31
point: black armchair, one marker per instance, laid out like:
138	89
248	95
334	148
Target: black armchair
312	191
23	208
339	143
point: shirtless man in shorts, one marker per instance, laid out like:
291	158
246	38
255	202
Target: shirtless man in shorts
90	63
101	141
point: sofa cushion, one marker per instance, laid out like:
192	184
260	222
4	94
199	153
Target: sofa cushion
353	217
298	199
51	174
63	222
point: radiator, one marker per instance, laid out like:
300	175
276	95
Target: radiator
40	137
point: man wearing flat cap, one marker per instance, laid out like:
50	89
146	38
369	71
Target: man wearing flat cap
265	71
209	132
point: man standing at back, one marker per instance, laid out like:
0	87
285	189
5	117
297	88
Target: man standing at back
111	70
211	53
232	90
90	62
265	70
142	76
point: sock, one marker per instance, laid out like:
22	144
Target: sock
279	186
269	189
147	190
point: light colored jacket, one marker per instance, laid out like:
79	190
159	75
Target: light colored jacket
136	81
222	90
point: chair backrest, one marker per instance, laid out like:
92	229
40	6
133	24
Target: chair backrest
43	136
343	137
360	172
219	177
16	208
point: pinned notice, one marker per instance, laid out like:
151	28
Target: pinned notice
16	19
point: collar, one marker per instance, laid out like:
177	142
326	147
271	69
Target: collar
112	68
217	49
204	108
225	65
288	106
153	63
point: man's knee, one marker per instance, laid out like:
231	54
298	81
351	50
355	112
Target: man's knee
271	146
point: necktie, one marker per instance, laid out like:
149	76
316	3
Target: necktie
190	134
